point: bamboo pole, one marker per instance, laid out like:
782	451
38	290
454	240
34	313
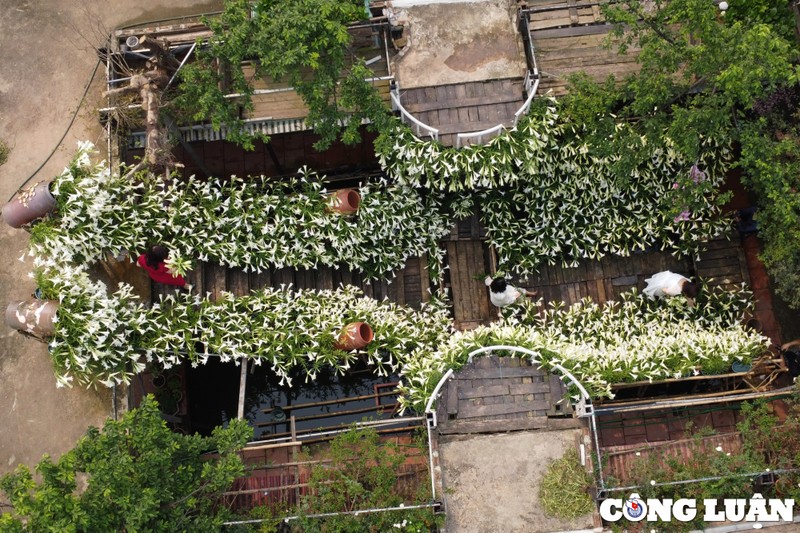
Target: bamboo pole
273	446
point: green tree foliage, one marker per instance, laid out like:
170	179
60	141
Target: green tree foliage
705	75
303	42
700	71
133	475
772	168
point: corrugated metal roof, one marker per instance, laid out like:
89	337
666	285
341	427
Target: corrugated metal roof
205	132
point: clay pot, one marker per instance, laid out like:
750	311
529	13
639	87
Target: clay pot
33	316
28	205
344	201
355	336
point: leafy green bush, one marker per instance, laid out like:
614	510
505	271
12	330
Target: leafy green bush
362	474
139	475
771	167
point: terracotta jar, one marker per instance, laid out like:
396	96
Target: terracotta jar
33	316
354	336
28	205
344	201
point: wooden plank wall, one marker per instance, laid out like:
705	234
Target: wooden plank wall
283	155
287	104
723	263
570	37
602	280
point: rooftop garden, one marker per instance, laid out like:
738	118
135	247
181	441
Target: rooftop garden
612	169
106	337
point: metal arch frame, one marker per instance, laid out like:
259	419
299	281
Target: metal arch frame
583	407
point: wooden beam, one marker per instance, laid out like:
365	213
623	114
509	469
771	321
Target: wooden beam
335	401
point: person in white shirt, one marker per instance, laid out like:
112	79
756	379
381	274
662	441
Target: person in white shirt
668	283
502	294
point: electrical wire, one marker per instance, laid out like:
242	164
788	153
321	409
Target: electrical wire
80	104
69	126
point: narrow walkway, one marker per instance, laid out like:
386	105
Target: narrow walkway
410	286
724	263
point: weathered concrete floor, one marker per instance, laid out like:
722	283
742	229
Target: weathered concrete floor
492	482
454	43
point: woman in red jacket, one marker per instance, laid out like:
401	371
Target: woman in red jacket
153	262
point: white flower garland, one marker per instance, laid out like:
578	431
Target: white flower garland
251	223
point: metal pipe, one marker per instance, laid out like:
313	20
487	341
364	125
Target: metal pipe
430	453
433	132
785	391
181	65
701	479
435	392
527	105
135	54
386	37
478	134
325	515
598	462
343	430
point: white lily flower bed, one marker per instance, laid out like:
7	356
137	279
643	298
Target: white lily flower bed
105	338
